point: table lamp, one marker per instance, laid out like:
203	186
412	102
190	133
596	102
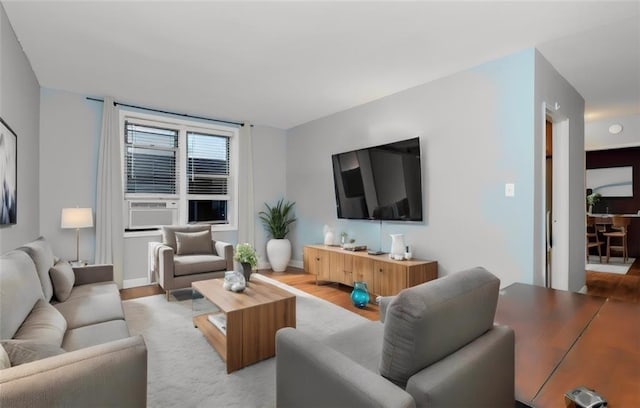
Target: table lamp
76	218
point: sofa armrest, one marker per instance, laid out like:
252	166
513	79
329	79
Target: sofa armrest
480	374
225	250
92	274
111	374
311	374
384	304
165	267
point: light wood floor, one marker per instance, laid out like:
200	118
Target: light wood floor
332	292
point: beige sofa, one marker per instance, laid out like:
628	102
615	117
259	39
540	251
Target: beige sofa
436	346
72	353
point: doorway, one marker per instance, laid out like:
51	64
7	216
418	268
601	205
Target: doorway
556	200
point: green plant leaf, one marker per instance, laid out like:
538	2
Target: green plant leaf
277	219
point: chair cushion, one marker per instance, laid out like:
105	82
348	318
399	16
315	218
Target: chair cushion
45	324
192	264
191	243
427	322
169	233
361	343
95	334
20	289
62	278
23	351
42	255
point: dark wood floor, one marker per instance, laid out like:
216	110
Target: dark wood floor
616	286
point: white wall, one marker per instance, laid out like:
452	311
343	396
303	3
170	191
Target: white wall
552	88
69	142
477	133
70	127
597	136
20	108
269	179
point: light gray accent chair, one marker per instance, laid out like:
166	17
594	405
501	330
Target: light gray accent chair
436	345
180	260
97	363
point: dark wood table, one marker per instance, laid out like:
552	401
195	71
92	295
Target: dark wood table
565	339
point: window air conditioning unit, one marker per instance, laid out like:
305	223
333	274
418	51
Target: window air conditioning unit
149	214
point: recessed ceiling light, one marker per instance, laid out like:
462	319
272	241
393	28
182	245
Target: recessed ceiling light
615	129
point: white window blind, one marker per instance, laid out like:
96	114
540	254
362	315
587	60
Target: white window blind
151	158
207	164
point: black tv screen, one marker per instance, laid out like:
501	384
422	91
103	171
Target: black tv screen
380	182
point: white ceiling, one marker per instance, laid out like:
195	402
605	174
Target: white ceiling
286	63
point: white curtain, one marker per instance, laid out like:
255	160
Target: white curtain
109	200
246	216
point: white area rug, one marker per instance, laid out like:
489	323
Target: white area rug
184	370
615	265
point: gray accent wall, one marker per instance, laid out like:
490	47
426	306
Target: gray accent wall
477	131
20	108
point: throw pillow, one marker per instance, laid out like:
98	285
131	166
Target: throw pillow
189	243
63	278
21	352
4	358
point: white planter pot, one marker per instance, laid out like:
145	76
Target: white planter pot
279	254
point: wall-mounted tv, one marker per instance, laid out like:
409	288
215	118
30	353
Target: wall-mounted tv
380	182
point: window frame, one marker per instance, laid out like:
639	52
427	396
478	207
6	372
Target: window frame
183	126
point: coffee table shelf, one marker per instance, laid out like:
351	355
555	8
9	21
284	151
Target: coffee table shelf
253	317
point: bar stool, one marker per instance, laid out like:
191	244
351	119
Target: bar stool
593	241
620	227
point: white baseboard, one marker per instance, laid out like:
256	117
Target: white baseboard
267	265
296	264
132	283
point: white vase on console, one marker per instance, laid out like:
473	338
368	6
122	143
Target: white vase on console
397	246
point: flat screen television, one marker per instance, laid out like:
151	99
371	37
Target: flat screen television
380	182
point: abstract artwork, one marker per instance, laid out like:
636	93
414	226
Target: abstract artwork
611	181
8	174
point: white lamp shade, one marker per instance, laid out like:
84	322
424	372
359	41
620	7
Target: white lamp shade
76	218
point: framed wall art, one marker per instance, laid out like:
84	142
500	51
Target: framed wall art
8	174
611	181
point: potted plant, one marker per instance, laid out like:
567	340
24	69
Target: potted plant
246	255
592	199
277	220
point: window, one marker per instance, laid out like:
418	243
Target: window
150	156
207	177
189	162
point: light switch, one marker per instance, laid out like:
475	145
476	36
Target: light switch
509	190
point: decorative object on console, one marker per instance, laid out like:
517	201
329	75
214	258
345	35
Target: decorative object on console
76	218
407	253
397	246
246	255
234	281
343	239
360	294
277	220
8	174
328	235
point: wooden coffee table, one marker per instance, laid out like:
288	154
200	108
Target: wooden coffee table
252	319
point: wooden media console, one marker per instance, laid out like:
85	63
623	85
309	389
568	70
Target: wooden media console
384	276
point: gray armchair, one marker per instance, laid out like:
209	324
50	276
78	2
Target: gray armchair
436	346
188	254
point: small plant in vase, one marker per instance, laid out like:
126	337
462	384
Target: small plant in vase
246	255
592	200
